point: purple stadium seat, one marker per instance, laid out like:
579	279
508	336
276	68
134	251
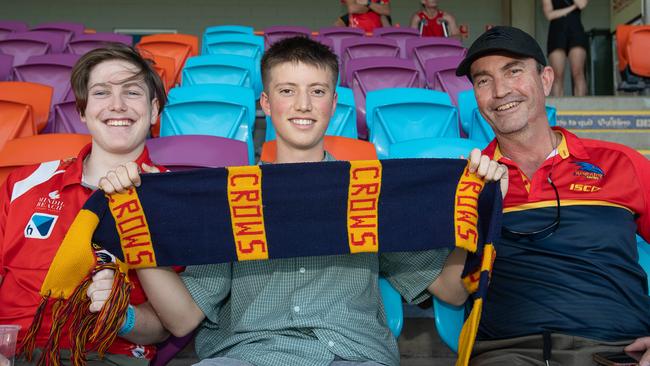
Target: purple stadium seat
6	63
11	26
422	49
66	120
338	34
67	29
25	44
182	152
53	70
372	73
169	348
276	33
82	43
440	74
400	34
352	48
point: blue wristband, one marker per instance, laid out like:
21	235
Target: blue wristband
129	321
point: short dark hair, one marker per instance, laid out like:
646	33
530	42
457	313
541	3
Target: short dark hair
115	51
299	50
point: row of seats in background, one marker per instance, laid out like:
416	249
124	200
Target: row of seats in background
218	91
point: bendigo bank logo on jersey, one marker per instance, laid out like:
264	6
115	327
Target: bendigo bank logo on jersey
40	226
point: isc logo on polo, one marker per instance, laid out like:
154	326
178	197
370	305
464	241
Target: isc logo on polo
40	226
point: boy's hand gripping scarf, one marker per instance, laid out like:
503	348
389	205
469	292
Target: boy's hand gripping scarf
266	212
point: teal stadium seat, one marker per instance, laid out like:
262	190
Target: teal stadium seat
397	114
392	301
245	45
211	109
343	122
223	30
222	69
476	126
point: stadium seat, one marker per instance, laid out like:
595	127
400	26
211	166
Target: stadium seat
434	147
440	74
637	52
449	319
6	64
466	104
343	121
53	70
367	74
37	96
177	46
342	148
245	45
399	114
82	43
222	69
630	82
67	120
279	32
425	48
223	30
399	34
211	109
165	67
392	302
67	29
337	35
25	44
16	120
38	149
366	47
12	26
184	152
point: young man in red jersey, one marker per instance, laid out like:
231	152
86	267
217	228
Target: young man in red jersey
119	97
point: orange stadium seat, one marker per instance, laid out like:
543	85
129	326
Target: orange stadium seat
16	120
38	96
637	51
177	46
342	148
38	149
165	67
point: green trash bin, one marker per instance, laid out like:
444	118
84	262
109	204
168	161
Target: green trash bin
600	67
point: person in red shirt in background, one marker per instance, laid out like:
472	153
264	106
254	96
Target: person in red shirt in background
368	14
429	20
119	97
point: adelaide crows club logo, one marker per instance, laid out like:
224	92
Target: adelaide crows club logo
40	226
588	170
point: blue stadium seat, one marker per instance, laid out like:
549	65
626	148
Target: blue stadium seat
398	114
434	147
223	30
392	301
211	109
449	319
343	122
222	69
476	126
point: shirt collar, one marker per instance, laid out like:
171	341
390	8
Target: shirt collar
570	145
73	173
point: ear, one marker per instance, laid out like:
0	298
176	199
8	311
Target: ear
335	100
264	103
155	107
547	79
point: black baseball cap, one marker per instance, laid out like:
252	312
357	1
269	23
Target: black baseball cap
501	39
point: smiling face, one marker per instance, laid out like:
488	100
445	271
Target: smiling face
300	99
119	109
511	92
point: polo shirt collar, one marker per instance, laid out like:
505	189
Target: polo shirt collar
73	173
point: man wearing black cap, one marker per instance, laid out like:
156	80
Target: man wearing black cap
566	283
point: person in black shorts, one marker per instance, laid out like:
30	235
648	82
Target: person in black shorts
566	36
